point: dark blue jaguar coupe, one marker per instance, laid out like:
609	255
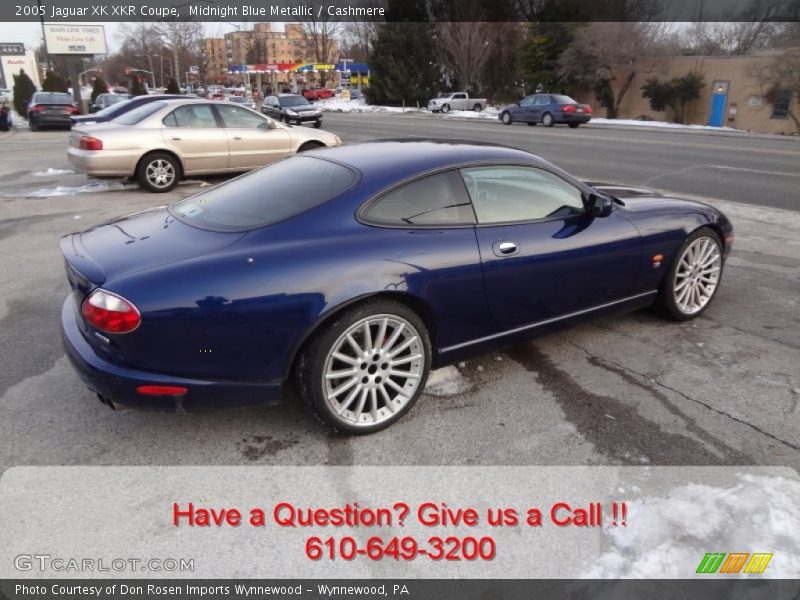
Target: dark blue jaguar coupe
353	271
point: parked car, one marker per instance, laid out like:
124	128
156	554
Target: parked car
242	101
355	270
121	108
105	100
161	142
456	101
5	113
291	108
51	109
317	93
547	109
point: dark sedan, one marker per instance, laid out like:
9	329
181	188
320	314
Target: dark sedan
547	109
51	109
291	108
121	108
353	271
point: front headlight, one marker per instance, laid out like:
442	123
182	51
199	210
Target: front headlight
291	112
338	140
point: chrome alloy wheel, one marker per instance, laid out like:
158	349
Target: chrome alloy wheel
160	173
373	369
697	275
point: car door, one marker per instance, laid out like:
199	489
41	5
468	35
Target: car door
543	256
539	104
459	102
193	131
251	141
524	111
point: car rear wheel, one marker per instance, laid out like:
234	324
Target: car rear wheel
477	108
158	172
366	369
547	120
506	118
573	125
694	276
445	108
317	124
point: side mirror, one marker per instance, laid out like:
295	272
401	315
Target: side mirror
599	206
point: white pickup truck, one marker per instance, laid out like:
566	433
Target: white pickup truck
456	101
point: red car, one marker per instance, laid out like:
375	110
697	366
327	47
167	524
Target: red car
317	93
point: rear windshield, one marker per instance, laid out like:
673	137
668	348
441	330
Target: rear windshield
559	99
52	98
271	194
137	114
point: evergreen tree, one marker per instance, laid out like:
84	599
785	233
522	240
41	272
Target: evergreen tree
674	94
99	87
53	82
136	87
172	87
23	91
403	62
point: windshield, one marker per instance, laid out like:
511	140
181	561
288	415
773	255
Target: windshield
271	194
293	101
137	114
52	98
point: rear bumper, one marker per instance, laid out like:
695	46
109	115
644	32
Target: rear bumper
573	118
54	120
117	384
111	163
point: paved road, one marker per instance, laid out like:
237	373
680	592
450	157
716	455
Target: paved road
724	389
739	167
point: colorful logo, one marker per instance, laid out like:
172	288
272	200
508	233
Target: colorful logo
735	562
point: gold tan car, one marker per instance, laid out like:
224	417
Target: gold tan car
160	143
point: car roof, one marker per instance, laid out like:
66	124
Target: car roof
405	157
288	95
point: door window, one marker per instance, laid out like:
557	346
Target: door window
541	101
191	115
436	200
527	101
236	117
507	194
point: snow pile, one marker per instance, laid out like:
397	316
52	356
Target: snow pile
661	124
95	186
446	382
666	537
358	106
51	172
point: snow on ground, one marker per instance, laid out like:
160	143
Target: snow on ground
18	121
94	186
446	382
51	172
667	536
661	124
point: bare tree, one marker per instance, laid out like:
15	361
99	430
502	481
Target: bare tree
463	40
324	35
783	79
752	27
184	40
358	38
605	49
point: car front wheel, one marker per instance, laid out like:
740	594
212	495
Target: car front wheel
366	369
694	276
547	120
317	124
445	108
506	118
158	172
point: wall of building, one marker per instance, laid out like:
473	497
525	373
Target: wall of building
746	105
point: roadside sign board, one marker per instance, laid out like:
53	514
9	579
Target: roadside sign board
71	38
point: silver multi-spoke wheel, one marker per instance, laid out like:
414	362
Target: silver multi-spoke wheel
697	275
374	369
160	173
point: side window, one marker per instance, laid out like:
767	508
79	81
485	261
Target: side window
504	194
191	115
459	97
236	117
434	200
542	100
527	101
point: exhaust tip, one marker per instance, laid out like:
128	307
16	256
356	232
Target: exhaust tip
107	402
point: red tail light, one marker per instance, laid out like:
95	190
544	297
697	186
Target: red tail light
110	313
38	108
568	108
91	143
587	109
73	110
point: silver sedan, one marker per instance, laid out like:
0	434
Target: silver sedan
161	142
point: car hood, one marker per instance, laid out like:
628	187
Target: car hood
138	242
303	108
638	199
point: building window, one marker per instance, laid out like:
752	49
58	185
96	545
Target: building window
780	110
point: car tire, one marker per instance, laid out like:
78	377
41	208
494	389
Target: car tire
445	108
573	125
548	120
477	108
506	118
158	172
532	123
317	124
368	399
32	124
696	266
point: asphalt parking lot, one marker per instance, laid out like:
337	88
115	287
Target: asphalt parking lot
721	390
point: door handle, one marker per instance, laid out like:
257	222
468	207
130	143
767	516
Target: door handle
505	248
176	139
237	138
